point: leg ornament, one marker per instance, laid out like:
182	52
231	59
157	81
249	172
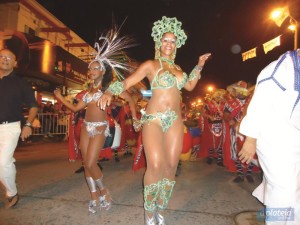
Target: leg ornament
210	156
249	173
165	193
117	159
92	186
240	173
249	169
150	196
239	167
220	157
99	183
150	202
91	183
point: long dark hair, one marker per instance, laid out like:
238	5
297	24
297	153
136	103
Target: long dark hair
107	77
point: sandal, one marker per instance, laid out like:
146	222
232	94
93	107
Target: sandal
92	206
12	201
104	204
149	220
159	218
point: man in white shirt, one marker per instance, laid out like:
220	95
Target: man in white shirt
272	127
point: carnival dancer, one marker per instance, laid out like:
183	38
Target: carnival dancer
235	109
214	129
95	127
75	123
162	132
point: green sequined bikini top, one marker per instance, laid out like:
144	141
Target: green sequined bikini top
166	79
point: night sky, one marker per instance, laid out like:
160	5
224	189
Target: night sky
222	27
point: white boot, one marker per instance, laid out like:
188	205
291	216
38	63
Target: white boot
148	220
159	218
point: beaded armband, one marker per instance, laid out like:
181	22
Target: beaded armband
193	75
116	88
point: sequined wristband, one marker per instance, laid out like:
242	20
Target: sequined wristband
194	74
199	68
116	88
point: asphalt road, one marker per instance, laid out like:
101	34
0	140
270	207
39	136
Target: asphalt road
51	193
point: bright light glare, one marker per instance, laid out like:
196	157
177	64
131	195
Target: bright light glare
277	13
292	27
210	88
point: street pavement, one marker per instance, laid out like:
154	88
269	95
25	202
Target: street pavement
52	194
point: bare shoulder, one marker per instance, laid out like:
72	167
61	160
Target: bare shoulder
148	63
148	66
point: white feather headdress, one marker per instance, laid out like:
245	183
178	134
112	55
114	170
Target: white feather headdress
110	51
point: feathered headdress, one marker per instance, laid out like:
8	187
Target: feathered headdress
241	87
165	25
110	51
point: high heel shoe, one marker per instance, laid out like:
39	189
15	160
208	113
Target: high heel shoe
160	219
92	206
104	204
149	221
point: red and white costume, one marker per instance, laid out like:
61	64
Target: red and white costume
76	120
213	133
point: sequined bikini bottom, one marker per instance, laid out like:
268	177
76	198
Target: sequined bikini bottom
166	118
91	128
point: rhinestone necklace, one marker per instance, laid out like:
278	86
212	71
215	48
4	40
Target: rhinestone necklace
97	85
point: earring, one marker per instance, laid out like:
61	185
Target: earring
157	52
173	56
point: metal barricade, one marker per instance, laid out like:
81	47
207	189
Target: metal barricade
51	124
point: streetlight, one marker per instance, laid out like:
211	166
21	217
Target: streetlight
294	27
199	101
210	88
279	15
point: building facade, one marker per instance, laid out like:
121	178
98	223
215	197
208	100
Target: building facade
58	56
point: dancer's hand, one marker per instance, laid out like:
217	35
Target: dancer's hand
105	100
203	58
